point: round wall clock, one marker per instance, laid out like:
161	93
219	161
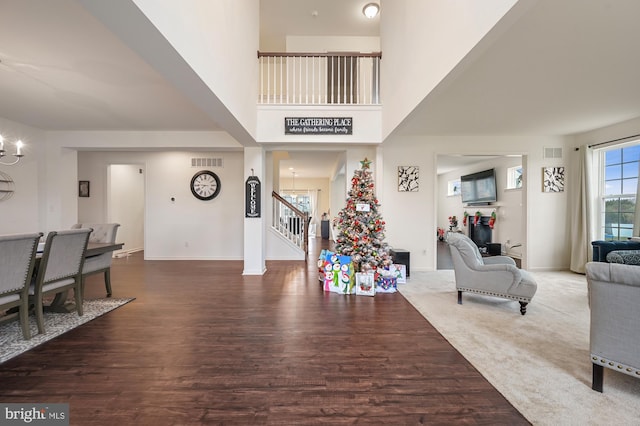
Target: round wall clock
205	185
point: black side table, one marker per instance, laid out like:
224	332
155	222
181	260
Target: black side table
402	257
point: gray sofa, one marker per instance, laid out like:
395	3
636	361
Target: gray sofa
614	296
616	251
492	276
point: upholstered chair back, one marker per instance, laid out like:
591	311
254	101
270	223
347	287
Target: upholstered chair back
64	254
466	248
102	232
17	253
17	261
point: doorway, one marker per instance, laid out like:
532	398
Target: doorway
125	201
510	230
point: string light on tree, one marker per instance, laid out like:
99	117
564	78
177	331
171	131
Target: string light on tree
360	226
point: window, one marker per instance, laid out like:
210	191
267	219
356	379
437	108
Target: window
514	177
301	201
618	191
453	188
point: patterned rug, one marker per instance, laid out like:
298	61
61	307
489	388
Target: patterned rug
13	344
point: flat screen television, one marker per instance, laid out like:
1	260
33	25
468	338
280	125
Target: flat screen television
479	188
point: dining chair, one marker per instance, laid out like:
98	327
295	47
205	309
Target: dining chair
17	260
101	263
60	268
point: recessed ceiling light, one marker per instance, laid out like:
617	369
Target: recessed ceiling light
371	10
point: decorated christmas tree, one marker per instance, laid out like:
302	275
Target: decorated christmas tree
360	225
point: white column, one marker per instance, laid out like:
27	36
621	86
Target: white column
254	228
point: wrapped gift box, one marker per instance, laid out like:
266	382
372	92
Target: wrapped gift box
387	284
401	273
338	274
365	284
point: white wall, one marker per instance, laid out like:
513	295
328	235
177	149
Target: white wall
604	134
230	69
422	41
21	213
508	208
412	216
324	44
186	228
118	198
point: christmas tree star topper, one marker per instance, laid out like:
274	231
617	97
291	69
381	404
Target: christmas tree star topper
365	163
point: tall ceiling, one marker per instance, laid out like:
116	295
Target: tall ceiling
61	69
561	67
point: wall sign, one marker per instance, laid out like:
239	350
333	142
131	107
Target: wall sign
318	125
252	197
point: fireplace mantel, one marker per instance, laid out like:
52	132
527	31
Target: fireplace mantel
484	210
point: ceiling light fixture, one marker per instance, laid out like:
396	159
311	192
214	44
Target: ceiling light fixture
371	10
18	155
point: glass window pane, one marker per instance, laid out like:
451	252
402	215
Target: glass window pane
614	234
613	172
612	205
627	205
613	157
629	186
611	219
626	232
630	170
613	187
631	153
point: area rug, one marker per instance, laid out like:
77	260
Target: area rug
540	361
13	344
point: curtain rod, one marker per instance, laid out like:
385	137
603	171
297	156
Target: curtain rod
613	140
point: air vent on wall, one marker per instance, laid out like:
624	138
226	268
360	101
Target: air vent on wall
206	162
552	152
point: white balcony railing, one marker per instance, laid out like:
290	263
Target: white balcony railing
290	222
319	78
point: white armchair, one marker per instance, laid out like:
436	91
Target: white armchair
492	276
102	233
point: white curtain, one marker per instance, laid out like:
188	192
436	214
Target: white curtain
582	212
636	216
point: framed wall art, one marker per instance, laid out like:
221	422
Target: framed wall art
83	188
408	178
552	179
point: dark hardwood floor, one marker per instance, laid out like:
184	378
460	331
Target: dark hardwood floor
204	344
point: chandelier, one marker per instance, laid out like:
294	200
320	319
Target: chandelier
18	154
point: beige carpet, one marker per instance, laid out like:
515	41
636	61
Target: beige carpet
540	361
